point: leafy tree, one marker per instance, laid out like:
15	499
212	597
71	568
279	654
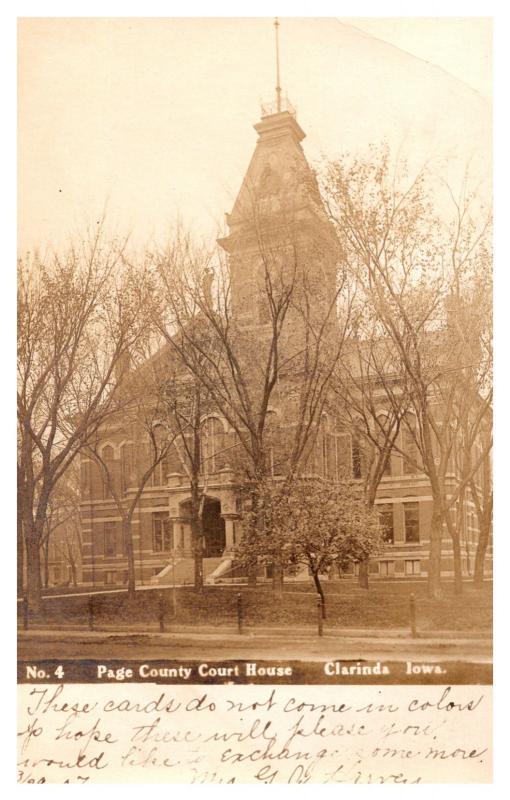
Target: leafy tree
310	522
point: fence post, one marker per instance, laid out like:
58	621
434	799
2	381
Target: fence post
91	612
161	613
412	614
239	613
320	621
25	613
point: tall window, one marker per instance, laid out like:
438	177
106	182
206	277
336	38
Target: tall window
386	519
85	476
160	473
326	450
127	466
383	428
357	468
409	446
162	539
272	436
412	522
212	445
110	544
108	459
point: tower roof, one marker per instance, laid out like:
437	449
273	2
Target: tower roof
279	188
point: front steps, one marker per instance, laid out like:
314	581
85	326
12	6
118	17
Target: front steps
182	571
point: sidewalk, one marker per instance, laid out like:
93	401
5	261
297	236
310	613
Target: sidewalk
437	639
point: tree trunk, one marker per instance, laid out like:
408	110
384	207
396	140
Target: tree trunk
73	573
363	574
198	555
33	553
72	564
457	566
252	573
196	537
434	570
20	555
457	554
277	577
130	554
46	565
481	551
320	592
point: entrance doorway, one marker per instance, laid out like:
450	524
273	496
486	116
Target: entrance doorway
213	527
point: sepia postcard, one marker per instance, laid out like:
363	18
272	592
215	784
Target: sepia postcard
254	463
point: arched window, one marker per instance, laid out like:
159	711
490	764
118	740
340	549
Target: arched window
127	466
325	449
273	443
409	445
108	456
357	455
383	433
212	436
158	451
85	476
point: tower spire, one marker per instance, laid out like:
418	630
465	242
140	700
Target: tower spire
278	87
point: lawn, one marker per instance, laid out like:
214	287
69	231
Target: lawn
384	605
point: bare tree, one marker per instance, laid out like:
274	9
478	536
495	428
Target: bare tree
283	358
78	313
411	265
150	437
186	406
62	518
372	402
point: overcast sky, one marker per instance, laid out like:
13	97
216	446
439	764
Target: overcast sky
153	117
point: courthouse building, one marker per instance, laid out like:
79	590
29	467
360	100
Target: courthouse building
278	175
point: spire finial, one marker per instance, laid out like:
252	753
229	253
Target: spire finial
278	87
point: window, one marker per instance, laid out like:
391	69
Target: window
386	568
127	466
109	539
110	577
386	519
212	445
271	435
108	458
356	457
85	476
162	538
384	432
409	446
326	456
155	449
159	475
412	522
412	568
